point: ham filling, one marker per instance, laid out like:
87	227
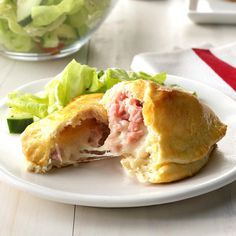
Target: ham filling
72	147
126	131
126	124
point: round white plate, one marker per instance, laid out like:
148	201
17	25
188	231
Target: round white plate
104	183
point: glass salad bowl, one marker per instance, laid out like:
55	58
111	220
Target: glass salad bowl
36	30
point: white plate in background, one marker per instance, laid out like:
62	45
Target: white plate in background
104	183
212	11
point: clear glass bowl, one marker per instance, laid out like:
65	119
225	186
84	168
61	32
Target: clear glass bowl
49	29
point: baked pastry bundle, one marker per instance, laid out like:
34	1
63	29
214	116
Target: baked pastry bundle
161	134
167	134
67	136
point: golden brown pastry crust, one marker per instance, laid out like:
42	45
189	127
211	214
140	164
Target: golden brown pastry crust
165	173
39	138
187	129
184	129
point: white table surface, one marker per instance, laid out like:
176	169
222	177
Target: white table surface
133	27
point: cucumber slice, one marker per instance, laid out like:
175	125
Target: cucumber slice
24	10
17	121
17	126
25	22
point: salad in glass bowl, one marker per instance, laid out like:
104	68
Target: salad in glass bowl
46	29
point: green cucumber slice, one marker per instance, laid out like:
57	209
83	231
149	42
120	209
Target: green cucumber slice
17	126
25	22
18	122
23	11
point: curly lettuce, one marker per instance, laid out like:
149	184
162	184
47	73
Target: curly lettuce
75	80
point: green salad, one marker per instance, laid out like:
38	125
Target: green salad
74	80
47	25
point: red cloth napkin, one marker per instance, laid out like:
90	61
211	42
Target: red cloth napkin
214	66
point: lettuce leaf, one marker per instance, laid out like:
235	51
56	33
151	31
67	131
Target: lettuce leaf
13	41
28	103
45	15
75	80
12	35
79	18
41	31
8	13
158	78
114	76
96	5
50	40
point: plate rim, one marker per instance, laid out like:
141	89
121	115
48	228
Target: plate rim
116	201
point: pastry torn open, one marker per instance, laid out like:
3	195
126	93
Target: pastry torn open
69	136
162	134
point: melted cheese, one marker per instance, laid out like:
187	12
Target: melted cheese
72	147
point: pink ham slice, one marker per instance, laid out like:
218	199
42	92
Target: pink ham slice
125	122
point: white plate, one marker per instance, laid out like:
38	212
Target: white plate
212	11
104	183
